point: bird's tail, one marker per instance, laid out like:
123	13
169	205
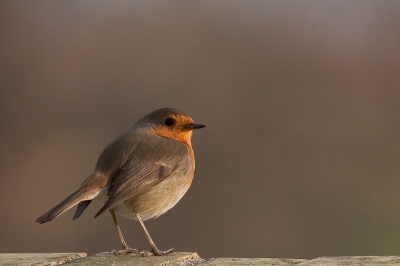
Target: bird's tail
82	194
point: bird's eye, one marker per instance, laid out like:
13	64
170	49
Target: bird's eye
168	121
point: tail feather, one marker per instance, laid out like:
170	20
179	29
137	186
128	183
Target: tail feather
63	206
81	208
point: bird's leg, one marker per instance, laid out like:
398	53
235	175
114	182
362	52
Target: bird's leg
154	249
125	248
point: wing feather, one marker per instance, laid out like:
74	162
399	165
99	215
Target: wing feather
138	175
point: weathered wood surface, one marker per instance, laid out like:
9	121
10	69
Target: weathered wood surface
38	259
354	260
182	259
107	259
253	261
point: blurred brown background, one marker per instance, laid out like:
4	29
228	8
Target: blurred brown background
300	157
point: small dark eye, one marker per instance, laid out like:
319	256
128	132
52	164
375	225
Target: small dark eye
168	121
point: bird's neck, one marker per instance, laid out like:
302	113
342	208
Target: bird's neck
184	137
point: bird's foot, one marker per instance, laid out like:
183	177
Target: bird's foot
127	250
157	252
143	252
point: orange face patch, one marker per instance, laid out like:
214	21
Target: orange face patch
177	130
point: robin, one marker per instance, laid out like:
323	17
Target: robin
140	175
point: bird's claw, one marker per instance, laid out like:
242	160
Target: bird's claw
157	252
143	252
126	250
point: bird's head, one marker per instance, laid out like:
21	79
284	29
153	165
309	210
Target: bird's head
172	123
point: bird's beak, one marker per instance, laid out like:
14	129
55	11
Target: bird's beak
193	126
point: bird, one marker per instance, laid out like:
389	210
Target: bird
139	175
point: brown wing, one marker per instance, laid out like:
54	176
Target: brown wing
136	177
